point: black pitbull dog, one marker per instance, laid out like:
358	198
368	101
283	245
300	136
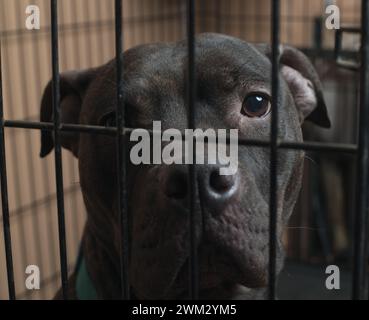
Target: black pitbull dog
233	91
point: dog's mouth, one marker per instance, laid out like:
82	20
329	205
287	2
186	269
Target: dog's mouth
212	285
217	274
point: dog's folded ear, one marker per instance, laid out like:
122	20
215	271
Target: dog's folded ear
304	84
73	86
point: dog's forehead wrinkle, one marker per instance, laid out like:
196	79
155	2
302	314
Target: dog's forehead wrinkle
230	50
218	58
234	74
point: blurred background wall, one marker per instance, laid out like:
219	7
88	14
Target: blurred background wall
86	35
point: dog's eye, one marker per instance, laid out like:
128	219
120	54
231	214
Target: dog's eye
256	105
109	120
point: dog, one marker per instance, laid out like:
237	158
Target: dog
233	91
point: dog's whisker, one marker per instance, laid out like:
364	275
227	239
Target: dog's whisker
311	160
303	228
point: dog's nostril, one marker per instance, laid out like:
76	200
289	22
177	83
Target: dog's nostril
176	186
221	183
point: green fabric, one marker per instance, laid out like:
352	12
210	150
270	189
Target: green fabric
85	289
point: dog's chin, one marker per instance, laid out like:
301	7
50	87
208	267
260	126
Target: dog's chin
211	287
223	282
221	291
219	278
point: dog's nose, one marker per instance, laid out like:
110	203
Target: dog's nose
220	184
213	187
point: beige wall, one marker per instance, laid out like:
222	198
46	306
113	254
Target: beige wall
87	39
250	19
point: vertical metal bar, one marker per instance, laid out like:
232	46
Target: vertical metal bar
13	153
66	64
4	198
52	253
58	151
273	150
121	153
361	219
35	224
191	96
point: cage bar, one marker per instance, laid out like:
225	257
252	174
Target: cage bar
191	97
91	129
57	147
273	196
4	198
121	154
361	220
359	284
29	147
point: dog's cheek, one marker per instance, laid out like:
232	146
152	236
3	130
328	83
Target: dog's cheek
159	246
290	189
97	177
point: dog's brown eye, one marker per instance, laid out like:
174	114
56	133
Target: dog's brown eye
256	106
109	120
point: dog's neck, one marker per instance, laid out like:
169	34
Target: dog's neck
102	264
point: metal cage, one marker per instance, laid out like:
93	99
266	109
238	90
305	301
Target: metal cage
361	151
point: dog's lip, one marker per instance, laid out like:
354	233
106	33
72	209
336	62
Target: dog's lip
208	283
214	275
218	272
205	291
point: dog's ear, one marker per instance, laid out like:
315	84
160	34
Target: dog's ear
304	84
73	86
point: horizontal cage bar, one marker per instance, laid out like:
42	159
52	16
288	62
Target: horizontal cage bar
90	129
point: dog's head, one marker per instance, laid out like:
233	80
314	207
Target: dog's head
233	85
